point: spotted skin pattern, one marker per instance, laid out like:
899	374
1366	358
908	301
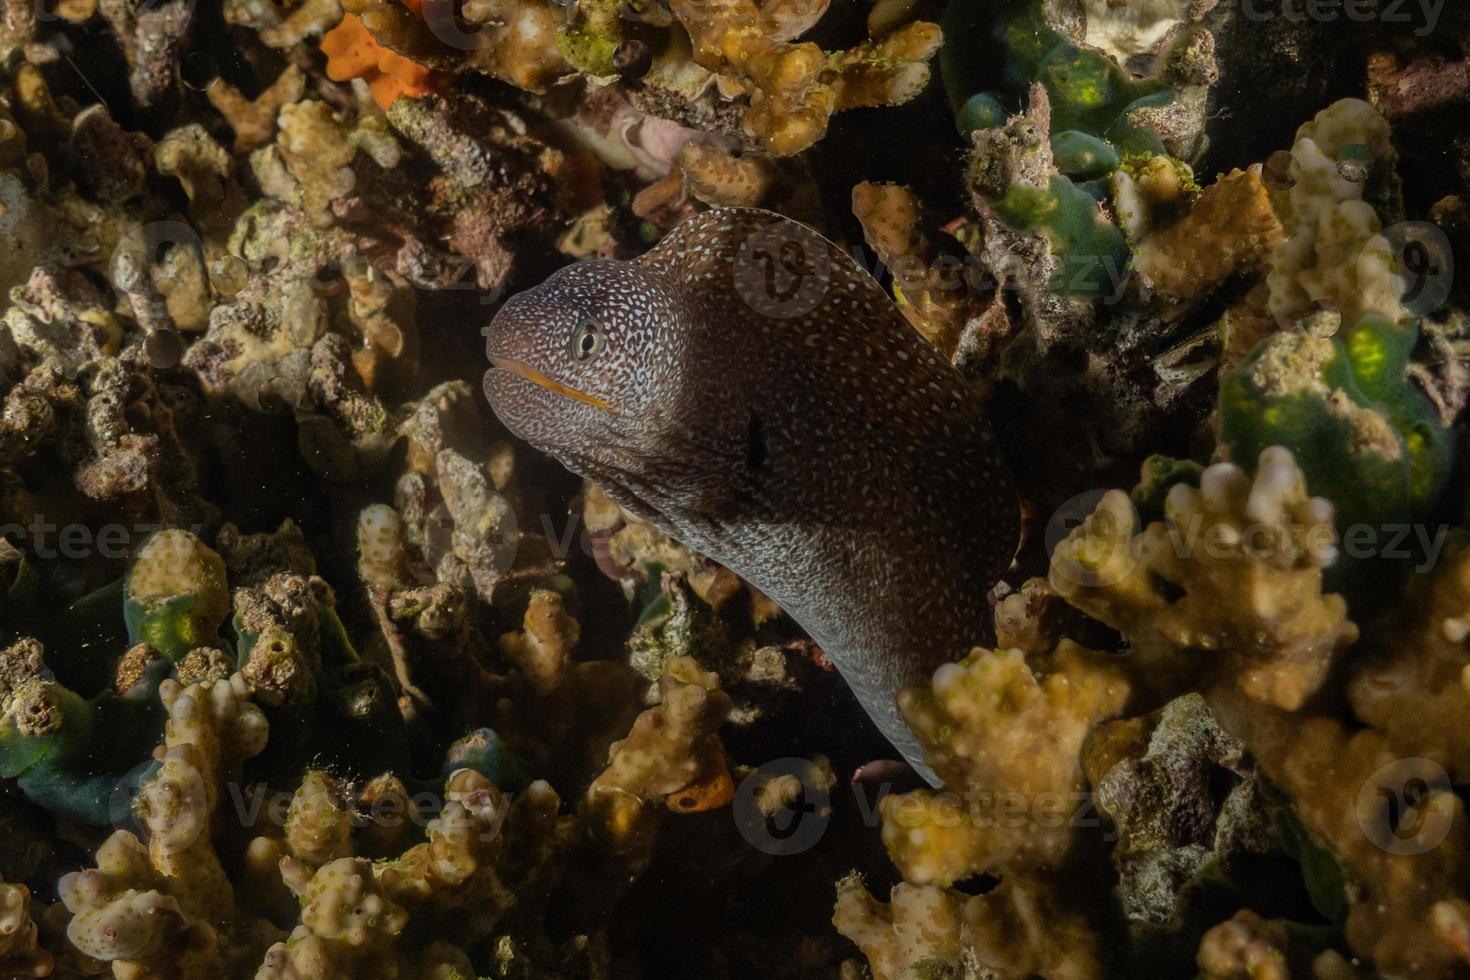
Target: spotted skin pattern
765	403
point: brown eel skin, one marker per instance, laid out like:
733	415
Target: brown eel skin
750	390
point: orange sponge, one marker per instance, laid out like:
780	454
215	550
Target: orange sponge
353	52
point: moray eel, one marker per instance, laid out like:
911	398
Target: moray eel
751	391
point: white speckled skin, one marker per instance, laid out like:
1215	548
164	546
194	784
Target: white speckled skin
807	439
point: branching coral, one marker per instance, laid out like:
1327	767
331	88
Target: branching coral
286	24
1395	825
936	293
315	148
1229	230
1413	687
671	759
254	120
20	956
542	650
1166	761
348	926
1006	744
1341	165
151	37
790	89
452	874
366	919
165	910
1236	570
168	909
794	88
1014	931
120	429
576	708
495	184
1248	946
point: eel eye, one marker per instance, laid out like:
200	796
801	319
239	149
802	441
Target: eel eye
586	340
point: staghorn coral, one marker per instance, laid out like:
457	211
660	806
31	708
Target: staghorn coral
254	120
1236	569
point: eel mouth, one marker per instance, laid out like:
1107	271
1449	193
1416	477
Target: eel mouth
524	370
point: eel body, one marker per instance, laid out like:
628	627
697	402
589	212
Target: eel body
750	390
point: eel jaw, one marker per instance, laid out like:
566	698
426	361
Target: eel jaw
536	377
